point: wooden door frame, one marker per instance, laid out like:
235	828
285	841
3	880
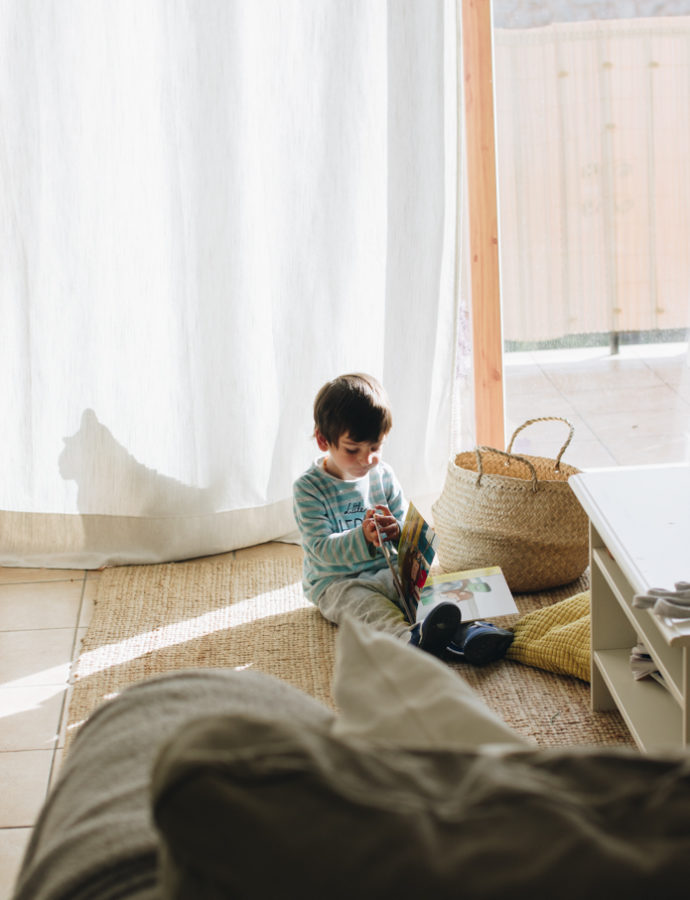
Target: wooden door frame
482	195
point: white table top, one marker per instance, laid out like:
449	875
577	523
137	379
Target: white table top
643	516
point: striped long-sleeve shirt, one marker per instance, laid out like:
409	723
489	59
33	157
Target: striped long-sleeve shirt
329	514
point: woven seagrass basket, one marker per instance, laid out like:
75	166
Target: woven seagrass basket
517	512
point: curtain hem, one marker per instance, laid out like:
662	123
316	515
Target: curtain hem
79	541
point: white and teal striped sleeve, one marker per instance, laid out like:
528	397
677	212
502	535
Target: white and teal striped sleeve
329	515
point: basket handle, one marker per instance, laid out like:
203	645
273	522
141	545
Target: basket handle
509	457
546	419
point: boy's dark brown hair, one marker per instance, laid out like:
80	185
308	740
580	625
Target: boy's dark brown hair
356	405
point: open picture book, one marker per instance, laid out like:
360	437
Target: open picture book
480	593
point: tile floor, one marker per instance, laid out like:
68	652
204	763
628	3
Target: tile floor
42	615
629	409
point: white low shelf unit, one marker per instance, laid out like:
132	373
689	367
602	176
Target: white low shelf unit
639	539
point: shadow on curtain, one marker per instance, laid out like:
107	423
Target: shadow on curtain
206	211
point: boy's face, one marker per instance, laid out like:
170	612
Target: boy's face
348	459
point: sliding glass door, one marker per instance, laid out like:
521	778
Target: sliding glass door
593	151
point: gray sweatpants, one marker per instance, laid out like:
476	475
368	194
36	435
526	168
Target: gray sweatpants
369	597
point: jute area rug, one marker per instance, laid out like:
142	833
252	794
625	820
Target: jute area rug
224	612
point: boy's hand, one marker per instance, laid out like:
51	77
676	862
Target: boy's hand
387	525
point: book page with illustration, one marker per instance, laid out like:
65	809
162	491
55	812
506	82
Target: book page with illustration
410	565
480	593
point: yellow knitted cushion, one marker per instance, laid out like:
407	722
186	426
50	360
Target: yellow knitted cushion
556	638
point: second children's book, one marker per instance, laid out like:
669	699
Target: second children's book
480	593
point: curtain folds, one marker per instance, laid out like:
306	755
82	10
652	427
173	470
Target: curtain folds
207	210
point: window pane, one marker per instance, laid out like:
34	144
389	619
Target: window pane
594	222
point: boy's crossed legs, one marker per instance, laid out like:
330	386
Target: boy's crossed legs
371	597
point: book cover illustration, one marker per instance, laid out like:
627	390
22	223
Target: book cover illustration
480	594
410	567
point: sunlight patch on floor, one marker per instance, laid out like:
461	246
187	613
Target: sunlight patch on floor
28	698
261	606
54	679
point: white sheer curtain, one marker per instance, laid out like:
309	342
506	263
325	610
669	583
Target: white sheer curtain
207	209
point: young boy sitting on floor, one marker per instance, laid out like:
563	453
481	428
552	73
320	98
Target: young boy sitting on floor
335	503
